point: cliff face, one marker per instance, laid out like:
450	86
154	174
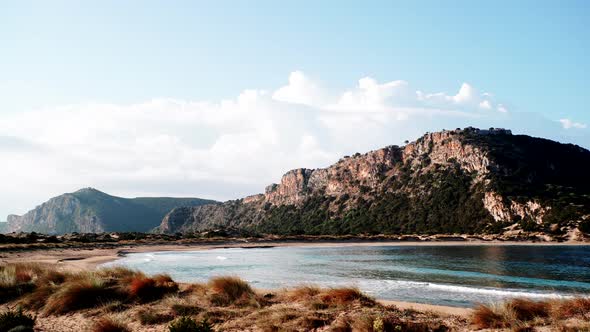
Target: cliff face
349	176
58	215
465	181
91	211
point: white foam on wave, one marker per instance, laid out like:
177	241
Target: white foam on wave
221	258
149	257
497	292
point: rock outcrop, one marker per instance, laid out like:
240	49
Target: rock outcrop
465	180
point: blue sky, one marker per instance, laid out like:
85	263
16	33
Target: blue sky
533	53
89	92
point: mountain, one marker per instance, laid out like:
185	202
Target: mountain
459	181
91	211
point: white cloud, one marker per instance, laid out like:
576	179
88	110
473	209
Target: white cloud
486	105
467	97
300	90
502	108
224	149
568	124
369	95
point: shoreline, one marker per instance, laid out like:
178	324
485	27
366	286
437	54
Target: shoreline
84	259
89	257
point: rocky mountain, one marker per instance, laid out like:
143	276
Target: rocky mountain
459	181
91	211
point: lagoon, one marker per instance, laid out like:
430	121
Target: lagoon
456	275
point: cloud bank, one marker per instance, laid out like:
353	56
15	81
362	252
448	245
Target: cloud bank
231	148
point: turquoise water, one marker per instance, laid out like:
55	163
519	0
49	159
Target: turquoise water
446	275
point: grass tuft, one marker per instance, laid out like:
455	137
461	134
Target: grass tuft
37	299
526	310
521	313
17	279
230	290
150	289
16	318
106	324
80	294
345	296
303	293
485	317
566	309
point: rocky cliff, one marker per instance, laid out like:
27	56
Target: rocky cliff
91	211
459	181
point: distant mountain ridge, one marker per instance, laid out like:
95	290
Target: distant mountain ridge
455	181
91	211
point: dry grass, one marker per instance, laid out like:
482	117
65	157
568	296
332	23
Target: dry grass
488	317
345	296
195	288
148	317
150	289
114	306
524	314
577	327
303	293
106	324
231	290
571	308
526	310
185	309
232	305
18	279
119	273
321	299
382	320
80	294
38	297
279	317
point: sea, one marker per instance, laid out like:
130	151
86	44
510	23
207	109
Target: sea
451	275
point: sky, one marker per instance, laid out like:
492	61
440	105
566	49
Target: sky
218	99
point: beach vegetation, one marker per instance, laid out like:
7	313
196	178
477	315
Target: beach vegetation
149	317
13	319
187	324
18	279
179	309
520	313
231	304
147	289
345	296
115	306
83	293
226	291
107	324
